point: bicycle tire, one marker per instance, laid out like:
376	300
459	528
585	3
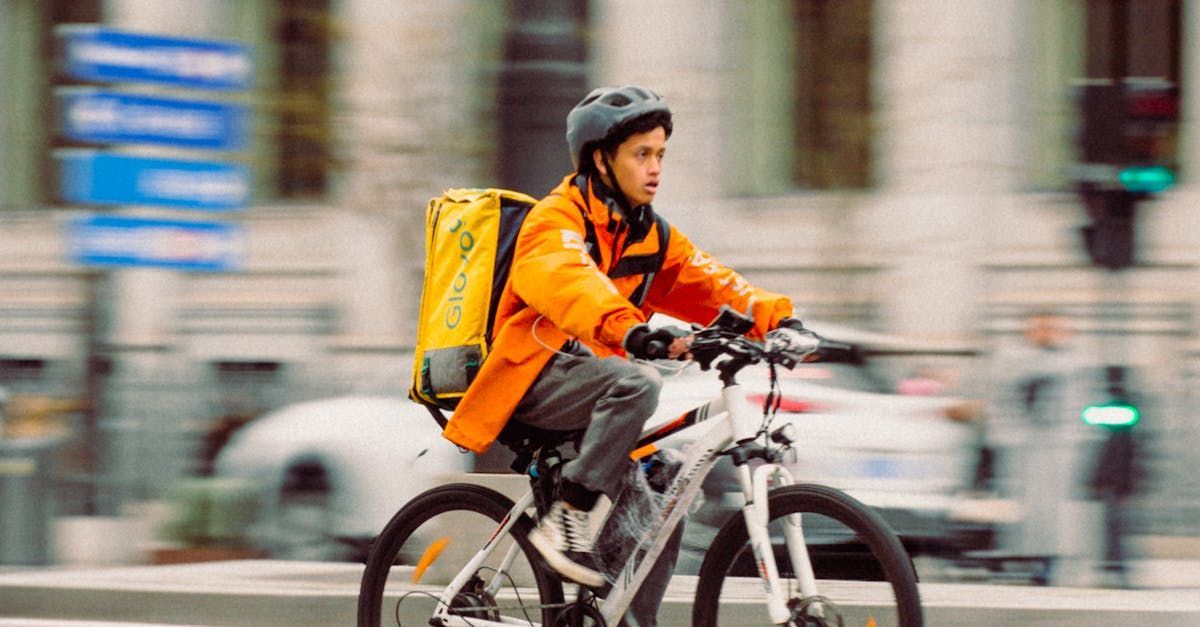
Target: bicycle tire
457	498
869	528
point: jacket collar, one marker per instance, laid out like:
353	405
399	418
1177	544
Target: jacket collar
604	211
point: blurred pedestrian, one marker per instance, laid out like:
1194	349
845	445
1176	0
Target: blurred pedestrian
1116	477
1042	385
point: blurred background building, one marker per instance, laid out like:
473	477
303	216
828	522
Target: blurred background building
899	165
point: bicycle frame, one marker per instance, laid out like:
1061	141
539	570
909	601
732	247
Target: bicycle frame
737	426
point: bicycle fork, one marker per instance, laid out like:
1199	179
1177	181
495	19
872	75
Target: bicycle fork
757	514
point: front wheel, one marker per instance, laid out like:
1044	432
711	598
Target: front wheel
845	540
431	539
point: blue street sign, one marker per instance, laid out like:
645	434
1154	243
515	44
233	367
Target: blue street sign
106	117
97	54
110	240
104	178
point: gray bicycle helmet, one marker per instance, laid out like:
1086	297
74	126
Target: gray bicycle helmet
602	110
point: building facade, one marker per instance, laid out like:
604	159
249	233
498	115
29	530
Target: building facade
891	164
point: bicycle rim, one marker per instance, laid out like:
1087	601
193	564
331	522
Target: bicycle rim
433	537
865	576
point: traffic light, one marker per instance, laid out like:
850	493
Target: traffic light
1127	135
1126	147
1148	179
1101	118
1149	132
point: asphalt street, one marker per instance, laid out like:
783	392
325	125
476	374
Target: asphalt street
265	593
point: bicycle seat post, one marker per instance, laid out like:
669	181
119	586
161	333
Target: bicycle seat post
544	475
538	457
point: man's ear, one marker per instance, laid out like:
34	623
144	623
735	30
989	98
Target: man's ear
598	161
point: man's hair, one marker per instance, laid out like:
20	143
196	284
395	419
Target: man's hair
621	132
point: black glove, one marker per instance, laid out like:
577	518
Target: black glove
642	342
790	323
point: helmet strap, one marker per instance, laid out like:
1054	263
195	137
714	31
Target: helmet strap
638	218
615	190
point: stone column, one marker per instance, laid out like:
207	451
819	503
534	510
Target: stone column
946	135
1171	224
1171	228
141	311
674	47
377	295
415	115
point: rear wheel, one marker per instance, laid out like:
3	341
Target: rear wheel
431	539
834	523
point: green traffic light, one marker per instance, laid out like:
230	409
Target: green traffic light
1146	178
1113	415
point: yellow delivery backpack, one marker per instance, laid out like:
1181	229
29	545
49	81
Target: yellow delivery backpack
470	235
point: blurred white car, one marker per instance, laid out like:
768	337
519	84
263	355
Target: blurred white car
332	472
909	456
903	455
886	449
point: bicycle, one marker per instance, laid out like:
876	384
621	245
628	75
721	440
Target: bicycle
487	589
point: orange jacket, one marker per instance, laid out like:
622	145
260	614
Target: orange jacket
556	285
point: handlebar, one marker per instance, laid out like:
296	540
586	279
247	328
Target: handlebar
725	337
656	347
839	352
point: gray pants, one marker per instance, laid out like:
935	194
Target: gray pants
612	398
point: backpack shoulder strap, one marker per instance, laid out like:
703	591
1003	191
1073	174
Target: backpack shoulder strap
589	237
664	239
648	266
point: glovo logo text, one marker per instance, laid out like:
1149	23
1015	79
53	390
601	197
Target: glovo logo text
466	241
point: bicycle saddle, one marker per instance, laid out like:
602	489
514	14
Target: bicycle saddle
527	441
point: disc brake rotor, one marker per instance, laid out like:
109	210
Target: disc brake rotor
816	611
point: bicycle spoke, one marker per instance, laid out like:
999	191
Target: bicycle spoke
863	575
428	561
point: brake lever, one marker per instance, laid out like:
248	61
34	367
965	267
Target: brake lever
704	351
713	342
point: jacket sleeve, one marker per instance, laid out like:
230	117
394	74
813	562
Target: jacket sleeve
692	286
554	274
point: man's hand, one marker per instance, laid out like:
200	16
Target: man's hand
642	342
791	345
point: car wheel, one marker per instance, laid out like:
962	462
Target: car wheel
302	521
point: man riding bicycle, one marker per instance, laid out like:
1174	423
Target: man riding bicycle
572	312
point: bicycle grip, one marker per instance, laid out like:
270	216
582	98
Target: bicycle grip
838	352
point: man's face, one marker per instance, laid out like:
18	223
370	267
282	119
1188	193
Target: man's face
638	165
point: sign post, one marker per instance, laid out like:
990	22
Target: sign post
169	151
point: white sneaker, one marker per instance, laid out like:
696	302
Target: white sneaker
565	529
